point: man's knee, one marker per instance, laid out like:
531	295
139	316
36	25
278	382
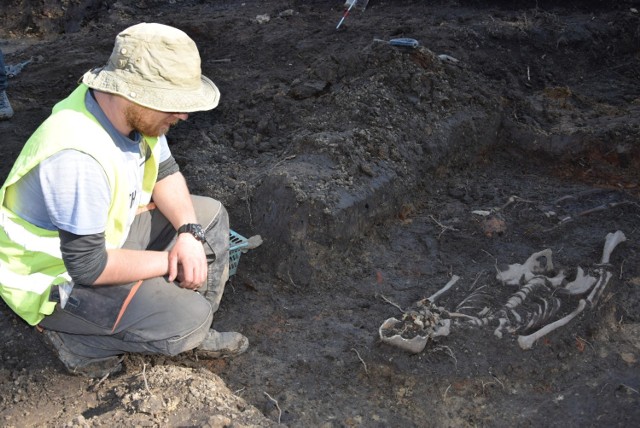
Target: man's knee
200	320
210	211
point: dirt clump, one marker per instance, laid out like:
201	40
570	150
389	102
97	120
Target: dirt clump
374	173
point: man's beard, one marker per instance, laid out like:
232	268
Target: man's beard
137	118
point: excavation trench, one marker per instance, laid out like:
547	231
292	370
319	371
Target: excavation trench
375	174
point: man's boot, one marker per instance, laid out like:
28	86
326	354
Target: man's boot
79	365
222	344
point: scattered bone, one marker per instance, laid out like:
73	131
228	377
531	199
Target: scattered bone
526	342
605	207
513	199
567	219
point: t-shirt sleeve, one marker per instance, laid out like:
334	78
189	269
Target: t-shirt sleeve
165	152
168	164
76	192
85	257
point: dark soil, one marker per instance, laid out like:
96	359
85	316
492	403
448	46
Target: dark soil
374	173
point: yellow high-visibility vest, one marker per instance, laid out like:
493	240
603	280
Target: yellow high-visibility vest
30	258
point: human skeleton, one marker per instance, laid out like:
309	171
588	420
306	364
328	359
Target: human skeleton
528	312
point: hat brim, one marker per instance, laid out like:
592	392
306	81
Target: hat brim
170	100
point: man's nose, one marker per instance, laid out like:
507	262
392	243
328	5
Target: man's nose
182	116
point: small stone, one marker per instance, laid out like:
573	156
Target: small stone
263	19
628	357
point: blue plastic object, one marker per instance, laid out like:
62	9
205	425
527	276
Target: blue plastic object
237	243
405	42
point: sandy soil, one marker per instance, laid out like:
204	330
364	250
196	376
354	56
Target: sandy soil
374	173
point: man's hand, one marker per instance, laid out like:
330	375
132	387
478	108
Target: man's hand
187	262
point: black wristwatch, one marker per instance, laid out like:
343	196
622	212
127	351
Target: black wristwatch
195	230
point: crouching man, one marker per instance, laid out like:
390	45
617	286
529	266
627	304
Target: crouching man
102	247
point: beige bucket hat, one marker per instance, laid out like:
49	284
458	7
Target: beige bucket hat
156	66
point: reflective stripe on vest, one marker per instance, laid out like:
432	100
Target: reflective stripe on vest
18	234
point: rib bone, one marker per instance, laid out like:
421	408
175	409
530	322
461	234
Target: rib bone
526	342
521	295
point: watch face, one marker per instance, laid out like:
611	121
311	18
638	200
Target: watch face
198	233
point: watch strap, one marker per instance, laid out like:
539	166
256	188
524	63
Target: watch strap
194	229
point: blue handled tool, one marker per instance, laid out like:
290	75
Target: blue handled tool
402	42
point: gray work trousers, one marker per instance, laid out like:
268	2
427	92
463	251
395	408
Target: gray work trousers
160	317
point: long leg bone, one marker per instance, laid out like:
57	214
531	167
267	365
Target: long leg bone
526	342
610	244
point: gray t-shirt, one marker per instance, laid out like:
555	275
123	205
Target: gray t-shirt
69	192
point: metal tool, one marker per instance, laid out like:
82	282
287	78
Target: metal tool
346	12
350	4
